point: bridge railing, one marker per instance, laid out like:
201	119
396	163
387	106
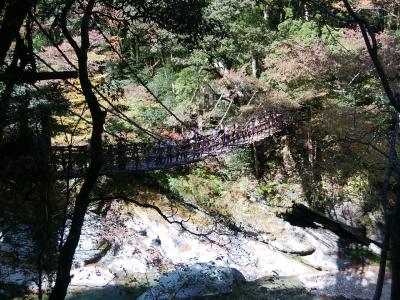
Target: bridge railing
144	156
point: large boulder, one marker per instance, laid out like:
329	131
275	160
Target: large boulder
198	280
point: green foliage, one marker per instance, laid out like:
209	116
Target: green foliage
299	31
117	126
267	189
347	98
330	37
276	193
188	80
246	31
39	41
161	83
199	186
186	88
396	32
358	187
308	33
265	77
363	93
380	98
361	254
238	163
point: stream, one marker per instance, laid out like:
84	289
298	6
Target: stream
132	253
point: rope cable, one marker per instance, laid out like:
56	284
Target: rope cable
148	132
139	79
133	72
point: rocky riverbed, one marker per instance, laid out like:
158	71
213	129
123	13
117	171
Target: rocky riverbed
128	251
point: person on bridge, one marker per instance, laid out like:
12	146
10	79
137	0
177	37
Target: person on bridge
228	134
148	149
195	145
185	147
224	136
171	149
159	152
214	133
235	130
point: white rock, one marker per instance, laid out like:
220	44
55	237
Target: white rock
92	276
198	280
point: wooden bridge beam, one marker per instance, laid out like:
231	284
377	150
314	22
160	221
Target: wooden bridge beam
126	157
30	77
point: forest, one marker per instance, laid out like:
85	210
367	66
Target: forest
199	149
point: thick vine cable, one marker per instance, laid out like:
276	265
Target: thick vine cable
138	78
124	117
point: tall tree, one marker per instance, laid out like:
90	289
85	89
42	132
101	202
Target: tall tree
98	117
15	13
372	47
392	215
179	16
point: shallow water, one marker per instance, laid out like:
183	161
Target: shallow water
121	295
268	288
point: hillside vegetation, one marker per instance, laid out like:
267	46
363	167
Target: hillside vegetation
101	73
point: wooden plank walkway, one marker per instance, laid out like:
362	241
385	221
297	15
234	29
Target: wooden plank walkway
73	161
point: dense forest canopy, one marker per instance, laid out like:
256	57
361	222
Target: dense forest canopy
97	76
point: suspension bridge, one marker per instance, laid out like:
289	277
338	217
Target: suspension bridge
73	161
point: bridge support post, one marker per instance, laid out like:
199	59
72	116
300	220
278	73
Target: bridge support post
259	159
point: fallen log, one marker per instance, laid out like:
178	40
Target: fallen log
304	216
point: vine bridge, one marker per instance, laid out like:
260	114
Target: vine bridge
73	161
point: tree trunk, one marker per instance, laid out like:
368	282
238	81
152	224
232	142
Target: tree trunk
83	198
68	249
373	48
14	16
388	211
254	66
12	69
382	263
395	251
2	6
4	105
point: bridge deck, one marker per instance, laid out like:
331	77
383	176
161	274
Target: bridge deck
72	162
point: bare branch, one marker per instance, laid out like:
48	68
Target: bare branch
64	28
159	211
